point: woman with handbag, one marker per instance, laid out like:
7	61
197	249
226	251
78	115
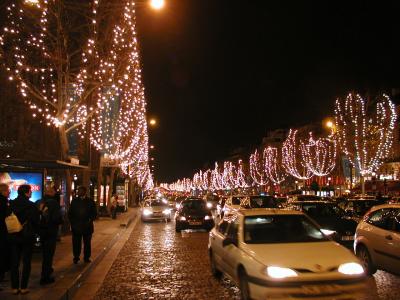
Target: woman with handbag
22	242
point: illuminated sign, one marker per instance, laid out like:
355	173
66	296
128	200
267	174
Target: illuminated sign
15	179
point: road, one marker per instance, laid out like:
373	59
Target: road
158	263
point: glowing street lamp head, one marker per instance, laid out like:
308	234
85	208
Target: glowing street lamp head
153	122
157	4
329	124
32	2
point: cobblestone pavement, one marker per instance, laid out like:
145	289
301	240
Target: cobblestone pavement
157	263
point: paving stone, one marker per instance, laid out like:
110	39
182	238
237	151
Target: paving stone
158	263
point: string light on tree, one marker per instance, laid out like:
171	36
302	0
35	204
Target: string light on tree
292	158
319	155
257	169
273	165
366	138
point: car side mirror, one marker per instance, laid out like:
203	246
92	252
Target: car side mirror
229	241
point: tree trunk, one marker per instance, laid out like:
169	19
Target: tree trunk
362	181
111	187
63	143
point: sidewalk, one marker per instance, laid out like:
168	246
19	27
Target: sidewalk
106	233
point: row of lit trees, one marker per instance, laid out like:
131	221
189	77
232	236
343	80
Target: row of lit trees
76	65
364	136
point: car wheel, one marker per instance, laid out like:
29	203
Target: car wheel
363	254
214	270
168	220
244	285
178	228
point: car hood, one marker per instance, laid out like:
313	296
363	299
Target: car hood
316	256
157	208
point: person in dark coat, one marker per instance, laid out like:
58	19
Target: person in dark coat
4	247
21	243
81	214
50	219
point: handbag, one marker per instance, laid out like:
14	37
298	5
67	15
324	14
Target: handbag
13	224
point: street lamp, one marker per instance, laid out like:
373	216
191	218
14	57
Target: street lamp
157	4
151	146
153	122
32	2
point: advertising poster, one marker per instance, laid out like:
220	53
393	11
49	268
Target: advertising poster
15	179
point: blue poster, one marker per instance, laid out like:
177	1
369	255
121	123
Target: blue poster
15	179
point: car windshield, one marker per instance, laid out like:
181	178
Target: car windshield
263	202
236	200
194	204
155	203
308	198
361	206
271	229
322	210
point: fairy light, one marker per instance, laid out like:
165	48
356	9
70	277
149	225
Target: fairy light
292	158
257	169
319	155
273	165
366	139
106	87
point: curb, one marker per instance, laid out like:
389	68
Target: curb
72	289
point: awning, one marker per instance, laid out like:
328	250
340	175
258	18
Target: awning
38	164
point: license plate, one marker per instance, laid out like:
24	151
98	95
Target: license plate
319	289
157	214
194	223
347	238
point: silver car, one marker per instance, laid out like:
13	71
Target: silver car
154	209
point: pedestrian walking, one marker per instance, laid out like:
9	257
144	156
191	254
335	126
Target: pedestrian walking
50	220
114	206
21	243
4	247
81	215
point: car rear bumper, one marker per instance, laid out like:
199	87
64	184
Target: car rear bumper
207	224
334	289
155	217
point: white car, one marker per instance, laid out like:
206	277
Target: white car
377	239
153	209
283	254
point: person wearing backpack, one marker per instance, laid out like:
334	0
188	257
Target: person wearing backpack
22	242
50	219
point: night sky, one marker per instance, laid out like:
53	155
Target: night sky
220	73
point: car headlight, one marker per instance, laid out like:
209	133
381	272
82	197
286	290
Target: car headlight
166	211
279	272
209	205
328	232
147	212
207	218
177	206
351	269
182	218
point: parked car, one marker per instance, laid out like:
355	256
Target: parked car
305	198
249	202
377	239
283	254
193	214
331	218
356	208
154	209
